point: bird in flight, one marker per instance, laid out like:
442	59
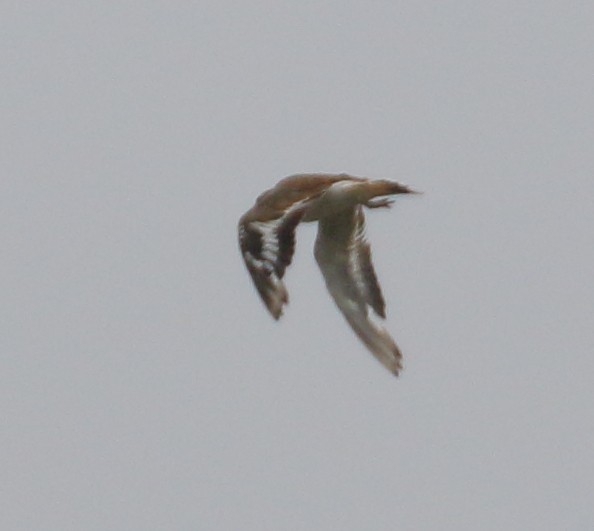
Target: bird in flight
335	201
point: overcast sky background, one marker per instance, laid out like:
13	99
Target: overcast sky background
142	383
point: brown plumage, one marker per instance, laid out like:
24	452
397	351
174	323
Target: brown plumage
267	243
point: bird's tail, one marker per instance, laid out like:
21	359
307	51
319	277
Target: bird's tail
385	187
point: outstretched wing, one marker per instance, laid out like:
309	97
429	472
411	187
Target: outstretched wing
267	232
267	246
344	258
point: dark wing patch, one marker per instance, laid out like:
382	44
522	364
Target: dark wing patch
362	267
373	292
285	233
267	248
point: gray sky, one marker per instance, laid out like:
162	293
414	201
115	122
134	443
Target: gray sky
144	386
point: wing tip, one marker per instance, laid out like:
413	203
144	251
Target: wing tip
275	300
396	366
388	354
